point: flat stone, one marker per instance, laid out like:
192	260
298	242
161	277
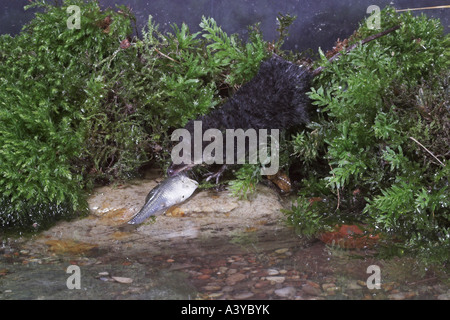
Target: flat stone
232	279
276	279
243	295
310	290
285	292
262	284
212	288
353	285
272	272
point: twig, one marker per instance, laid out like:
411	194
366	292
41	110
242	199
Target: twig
364	41
424	8
427	150
166	56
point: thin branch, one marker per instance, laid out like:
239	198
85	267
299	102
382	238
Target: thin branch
424	8
166	56
364	41
427	150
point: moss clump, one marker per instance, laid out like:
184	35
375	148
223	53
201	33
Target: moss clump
92	105
378	152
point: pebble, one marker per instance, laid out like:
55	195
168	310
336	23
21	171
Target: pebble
285	292
262	284
232	279
276	279
232	271
389	286
212	288
361	283
223	269
325	286
401	295
243	295
353	285
311	290
105	279
313	284
272	272
123	279
444	296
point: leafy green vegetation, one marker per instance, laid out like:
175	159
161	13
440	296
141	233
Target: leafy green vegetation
383	131
94	105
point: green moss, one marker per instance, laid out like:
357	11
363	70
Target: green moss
85	106
381	107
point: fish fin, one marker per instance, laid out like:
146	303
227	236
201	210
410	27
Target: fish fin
150	195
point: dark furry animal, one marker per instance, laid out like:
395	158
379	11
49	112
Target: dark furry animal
274	99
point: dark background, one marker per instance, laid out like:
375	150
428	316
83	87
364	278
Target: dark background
319	22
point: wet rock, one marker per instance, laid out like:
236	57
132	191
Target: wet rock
389	286
261	284
227	289
362	283
232	271
444	296
313	284
281	251
329	287
69	246
401	295
234	278
212	287
353	285
311	290
272	272
122	279
243	295
222	270
285	292
215	295
276	279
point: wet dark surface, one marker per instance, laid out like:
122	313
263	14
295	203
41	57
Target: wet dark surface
319	23
212	246
257	266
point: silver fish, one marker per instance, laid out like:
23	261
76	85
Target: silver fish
168	193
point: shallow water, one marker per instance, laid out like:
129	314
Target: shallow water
211	247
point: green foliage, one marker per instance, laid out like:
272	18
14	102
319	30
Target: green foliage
376	102
246	179
92	105
283	22
43	74
307	218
